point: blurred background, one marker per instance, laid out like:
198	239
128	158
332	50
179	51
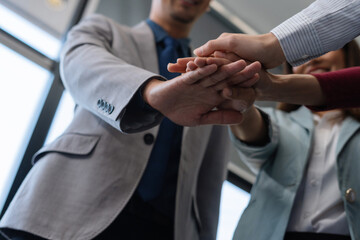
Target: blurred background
37	108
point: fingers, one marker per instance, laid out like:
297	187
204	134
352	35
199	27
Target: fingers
250	82
221	117
239	93
180	65
225	43
245	99
247	77
176	68
198	74
191	66
218	61
238	105
200	62
223	73
229	73
227	55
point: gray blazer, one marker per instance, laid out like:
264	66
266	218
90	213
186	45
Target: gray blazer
82	181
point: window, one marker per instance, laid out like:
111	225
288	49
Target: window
23	86
233	203
29	33
62	118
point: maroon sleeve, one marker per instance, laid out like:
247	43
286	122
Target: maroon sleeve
341	88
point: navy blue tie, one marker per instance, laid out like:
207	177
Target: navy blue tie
161	171
167	55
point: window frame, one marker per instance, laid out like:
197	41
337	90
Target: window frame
47	113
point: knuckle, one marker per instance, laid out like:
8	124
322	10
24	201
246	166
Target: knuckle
223	35
210	44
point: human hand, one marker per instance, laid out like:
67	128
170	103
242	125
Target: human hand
247	77
264	48
190	100
244	80
262	85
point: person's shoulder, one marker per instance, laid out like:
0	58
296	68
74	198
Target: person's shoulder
96	18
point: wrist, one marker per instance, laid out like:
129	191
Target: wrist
147	93
268	87
274	55
294	89
252	130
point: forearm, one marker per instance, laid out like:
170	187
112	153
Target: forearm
341	88
94	72
252	129
303	89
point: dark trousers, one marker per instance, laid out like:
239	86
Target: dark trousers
314	236
18	235
137	221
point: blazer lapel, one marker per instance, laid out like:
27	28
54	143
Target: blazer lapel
348	129
303	116
144	39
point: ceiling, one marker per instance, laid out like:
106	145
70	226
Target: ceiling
263	15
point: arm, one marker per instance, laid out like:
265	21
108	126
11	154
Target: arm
252	130
294	88
100	61
256	138
264	48
341	89
191	104
324	26
337	89
303	89
93	68
324	91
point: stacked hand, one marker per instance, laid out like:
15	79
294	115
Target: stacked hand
218	86
236	88
195	97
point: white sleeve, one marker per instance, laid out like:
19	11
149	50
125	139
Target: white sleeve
324	26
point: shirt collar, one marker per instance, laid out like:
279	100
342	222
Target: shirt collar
160	34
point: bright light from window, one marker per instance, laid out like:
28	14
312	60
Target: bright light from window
233	203
22	89
29	33
64	115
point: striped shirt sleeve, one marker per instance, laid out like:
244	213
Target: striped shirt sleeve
324	26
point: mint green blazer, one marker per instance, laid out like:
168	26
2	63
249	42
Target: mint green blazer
272	196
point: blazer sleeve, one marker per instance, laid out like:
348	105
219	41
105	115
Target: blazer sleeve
101	68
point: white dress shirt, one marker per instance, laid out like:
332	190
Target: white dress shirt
318	206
